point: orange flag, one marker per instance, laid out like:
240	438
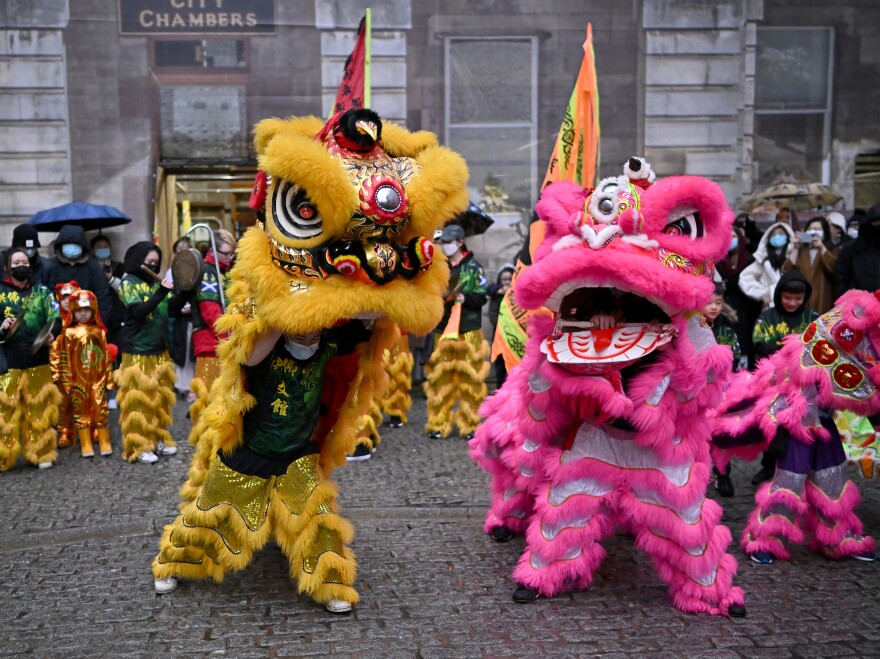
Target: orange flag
575	157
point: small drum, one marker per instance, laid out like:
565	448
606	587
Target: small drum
42	335
186	269
5	336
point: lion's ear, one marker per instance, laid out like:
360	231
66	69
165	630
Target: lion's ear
399	142
267	129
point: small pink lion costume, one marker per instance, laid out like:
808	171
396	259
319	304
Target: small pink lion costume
605	429
834	365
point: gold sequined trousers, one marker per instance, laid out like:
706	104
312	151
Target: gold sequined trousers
146	402
28	411
235	515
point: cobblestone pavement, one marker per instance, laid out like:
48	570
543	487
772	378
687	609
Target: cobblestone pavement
78	541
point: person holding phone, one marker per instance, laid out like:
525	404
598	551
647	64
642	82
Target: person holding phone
815	255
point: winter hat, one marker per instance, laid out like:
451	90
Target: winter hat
25	235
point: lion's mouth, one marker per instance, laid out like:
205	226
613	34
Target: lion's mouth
604	329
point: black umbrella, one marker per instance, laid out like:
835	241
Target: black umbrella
473	220
88	216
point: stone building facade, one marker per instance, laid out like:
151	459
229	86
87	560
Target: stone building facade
101	98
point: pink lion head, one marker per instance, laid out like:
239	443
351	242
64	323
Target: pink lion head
638	250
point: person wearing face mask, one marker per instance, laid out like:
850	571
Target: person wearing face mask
294	382
837	225
729	269
145	378
205	310
28	398
458	367
816	259
758	280
73	261
101	248
26	237
858	265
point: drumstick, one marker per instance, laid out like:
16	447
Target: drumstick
154	275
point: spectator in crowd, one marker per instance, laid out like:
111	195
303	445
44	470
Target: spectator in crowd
814	254
745	309
751	234
837	224
113	270
788	217
758	280
180	344
790	314
852	224
73	261
496	293
26	237
208	309
858	265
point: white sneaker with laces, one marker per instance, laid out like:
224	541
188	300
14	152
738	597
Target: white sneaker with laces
166	585
148	457
161	449
338	606
44	465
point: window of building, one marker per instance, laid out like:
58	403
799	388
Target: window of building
793	76
203	121
491	114
204	54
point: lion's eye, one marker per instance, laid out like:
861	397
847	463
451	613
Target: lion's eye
294	214
688	224
606	206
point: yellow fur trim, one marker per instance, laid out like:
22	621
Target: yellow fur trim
398	365
456	372
438	193
399	142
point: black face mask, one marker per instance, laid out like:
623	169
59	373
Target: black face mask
21	273
152	266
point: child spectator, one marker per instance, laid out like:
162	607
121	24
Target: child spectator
65	422
82	370
790	314
720	317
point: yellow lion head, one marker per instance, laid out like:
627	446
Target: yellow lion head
347	209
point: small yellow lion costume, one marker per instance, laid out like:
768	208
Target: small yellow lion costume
346	206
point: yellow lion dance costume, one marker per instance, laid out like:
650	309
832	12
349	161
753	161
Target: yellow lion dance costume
345	208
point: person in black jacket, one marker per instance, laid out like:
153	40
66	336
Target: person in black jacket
74	261
790	314
25	236
858	265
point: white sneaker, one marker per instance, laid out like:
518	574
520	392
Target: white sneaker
337	606
111	404
161	449
44	465
166	585
148	457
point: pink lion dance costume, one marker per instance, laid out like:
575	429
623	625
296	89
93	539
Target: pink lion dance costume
834	365
605	428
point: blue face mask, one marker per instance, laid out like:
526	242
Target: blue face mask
102	253
734	243
71	251
778	240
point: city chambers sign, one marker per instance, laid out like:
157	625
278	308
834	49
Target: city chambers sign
196	16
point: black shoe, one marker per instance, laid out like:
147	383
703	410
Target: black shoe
501	533
762	476
434	435
525	595
395	422
361	452
736	611
724	485
468	437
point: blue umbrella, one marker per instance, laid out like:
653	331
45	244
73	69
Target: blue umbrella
88	216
